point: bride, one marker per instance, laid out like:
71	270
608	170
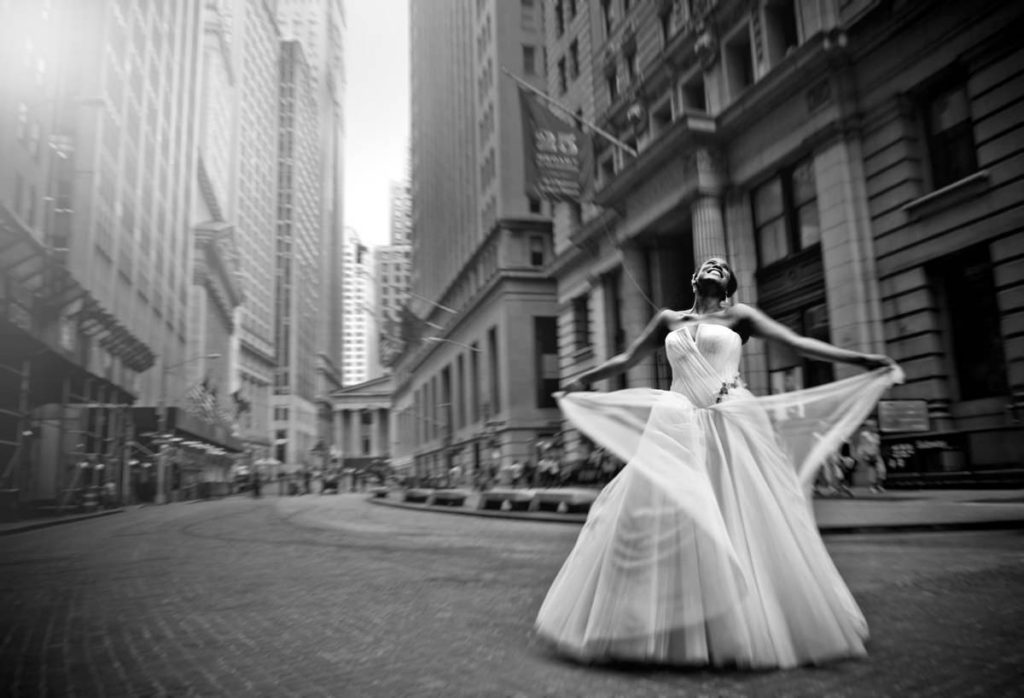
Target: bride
703	549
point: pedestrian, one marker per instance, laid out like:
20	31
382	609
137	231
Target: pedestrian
256	484
868	452
307	482
703	549
516	472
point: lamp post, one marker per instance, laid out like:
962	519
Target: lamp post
161	426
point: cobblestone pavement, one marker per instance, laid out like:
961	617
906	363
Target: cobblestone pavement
330	596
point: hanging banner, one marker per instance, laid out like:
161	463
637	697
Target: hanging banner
555	152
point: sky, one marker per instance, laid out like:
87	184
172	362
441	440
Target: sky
376	112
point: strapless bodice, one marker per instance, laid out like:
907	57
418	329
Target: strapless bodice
703	361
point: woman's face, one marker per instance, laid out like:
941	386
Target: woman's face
717	270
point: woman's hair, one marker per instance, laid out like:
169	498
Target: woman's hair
732	285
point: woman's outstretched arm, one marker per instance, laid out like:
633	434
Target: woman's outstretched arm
760	325
642	346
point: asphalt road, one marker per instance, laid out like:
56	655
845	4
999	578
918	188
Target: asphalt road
331	596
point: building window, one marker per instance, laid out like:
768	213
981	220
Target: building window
574	59
559	17
534	204
787	370
495	369
665	20
786	214
607	16
969	309
949	133
632	64
693	95
581	322
545	332
611	79
571	4
739	62
474	383
563	81
536	251
781	32
529	60
528	20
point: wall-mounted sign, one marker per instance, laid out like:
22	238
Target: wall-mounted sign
902	415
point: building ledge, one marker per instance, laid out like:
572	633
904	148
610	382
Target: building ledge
959	191
689	129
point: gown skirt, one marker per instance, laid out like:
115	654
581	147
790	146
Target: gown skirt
703	550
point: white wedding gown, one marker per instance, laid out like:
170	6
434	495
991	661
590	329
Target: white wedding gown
704	550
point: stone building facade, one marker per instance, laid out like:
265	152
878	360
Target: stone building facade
858	163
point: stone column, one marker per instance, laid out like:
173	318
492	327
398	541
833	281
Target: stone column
636	310
743	258
847	250
706	211
708	229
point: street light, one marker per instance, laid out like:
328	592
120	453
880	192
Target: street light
161	427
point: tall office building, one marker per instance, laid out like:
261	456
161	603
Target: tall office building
297	291
256	49
357	317
216	289
401	213
99	170
319	26
392	265
474	391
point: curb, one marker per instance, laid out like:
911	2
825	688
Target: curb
32	526
487	513
825	529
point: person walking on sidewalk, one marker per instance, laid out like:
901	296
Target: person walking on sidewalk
868	452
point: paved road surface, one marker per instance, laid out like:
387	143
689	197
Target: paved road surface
331	596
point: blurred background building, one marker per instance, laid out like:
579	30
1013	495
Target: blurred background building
143	159
392	271
298	281
471	391
357	309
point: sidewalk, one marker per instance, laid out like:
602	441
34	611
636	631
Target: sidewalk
31	524
866	512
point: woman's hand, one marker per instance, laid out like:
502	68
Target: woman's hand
871	361
574	387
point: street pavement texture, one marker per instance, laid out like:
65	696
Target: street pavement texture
331	596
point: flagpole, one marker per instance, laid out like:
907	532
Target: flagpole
593	127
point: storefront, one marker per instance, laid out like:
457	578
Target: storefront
197	459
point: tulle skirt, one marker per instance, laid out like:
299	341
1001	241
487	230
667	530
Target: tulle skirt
704	550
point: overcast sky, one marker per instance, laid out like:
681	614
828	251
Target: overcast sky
376	112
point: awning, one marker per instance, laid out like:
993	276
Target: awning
183	424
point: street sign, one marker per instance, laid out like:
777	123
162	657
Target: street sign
902	415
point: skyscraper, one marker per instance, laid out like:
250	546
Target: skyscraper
297	291
99	171
401	213
319	26
473	388
257	53
357	318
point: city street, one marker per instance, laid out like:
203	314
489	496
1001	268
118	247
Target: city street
332	596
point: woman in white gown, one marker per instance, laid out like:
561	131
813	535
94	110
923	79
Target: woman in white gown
703	549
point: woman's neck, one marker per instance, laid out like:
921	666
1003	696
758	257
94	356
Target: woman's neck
702	305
